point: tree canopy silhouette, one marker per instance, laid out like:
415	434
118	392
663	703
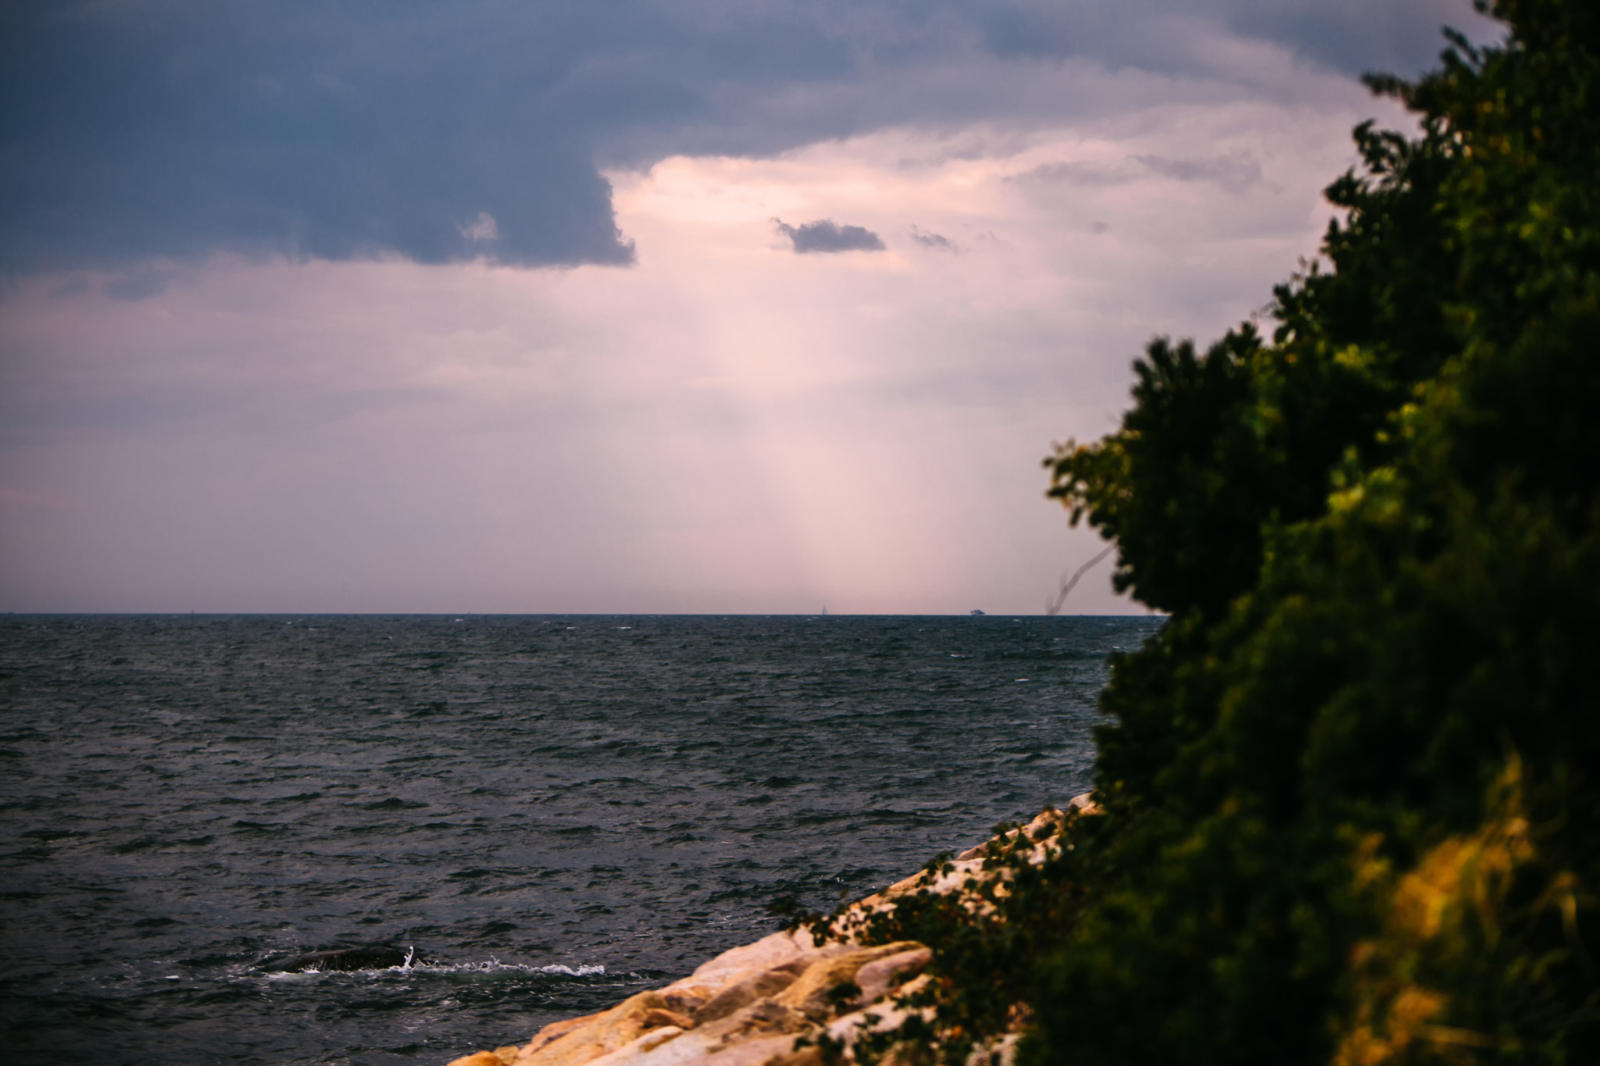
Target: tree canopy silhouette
1352	784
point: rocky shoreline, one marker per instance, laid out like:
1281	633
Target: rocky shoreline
784	1000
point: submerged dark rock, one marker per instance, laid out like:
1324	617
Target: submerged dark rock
372	957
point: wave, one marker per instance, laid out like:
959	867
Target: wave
490	965
494	965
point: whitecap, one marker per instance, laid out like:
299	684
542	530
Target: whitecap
494	965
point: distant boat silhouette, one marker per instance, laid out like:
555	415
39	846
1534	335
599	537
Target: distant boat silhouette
976	613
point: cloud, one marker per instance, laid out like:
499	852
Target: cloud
1360	35
826	235
140	282
1234	172
1081	173
481	229
178	129
937	241
1352	37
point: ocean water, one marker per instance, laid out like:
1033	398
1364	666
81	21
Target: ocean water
554	812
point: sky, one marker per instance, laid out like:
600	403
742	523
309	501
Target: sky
636	306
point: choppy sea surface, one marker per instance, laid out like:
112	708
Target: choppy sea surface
554	812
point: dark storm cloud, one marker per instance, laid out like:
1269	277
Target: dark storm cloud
177	129
1354	36
826	235
1359	36
340	129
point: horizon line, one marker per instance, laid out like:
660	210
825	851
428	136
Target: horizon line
566	614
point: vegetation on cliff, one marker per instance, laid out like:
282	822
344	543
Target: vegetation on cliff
1351	791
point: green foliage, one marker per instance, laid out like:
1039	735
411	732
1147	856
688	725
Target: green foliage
1378	538
987	936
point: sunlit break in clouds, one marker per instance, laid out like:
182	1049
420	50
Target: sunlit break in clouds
633	307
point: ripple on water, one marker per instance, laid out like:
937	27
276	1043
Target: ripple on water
555	812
